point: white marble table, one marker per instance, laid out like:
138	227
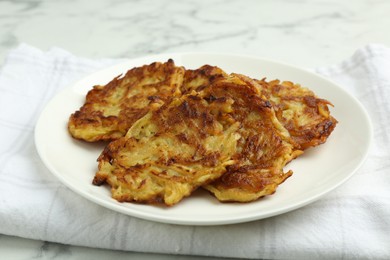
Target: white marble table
303	33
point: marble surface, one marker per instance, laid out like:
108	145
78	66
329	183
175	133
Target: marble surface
303	33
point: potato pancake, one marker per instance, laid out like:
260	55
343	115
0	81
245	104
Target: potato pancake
169	152
110	110
302	113
308	121
174	130
263	149
225	128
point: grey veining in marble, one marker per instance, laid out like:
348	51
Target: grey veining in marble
135	28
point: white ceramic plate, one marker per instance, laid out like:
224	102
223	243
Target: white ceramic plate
317	172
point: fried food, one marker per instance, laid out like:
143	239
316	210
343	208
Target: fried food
110	110
302	113
308	121
263	149
170	152
175	130
194	140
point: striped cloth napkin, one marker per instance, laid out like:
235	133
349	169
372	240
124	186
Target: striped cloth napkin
353	221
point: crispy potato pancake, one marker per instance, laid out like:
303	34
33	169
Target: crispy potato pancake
302	113
110	110
264	148
175	130
170	152
193	141
308	121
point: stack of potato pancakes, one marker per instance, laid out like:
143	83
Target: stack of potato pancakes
173	130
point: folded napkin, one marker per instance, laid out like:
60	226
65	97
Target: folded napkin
352	221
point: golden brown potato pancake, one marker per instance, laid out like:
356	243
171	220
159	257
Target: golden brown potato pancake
169	152
263	149
110	110
230	134
194	140
302	113
308	121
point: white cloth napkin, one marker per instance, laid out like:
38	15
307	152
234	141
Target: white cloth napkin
353	221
